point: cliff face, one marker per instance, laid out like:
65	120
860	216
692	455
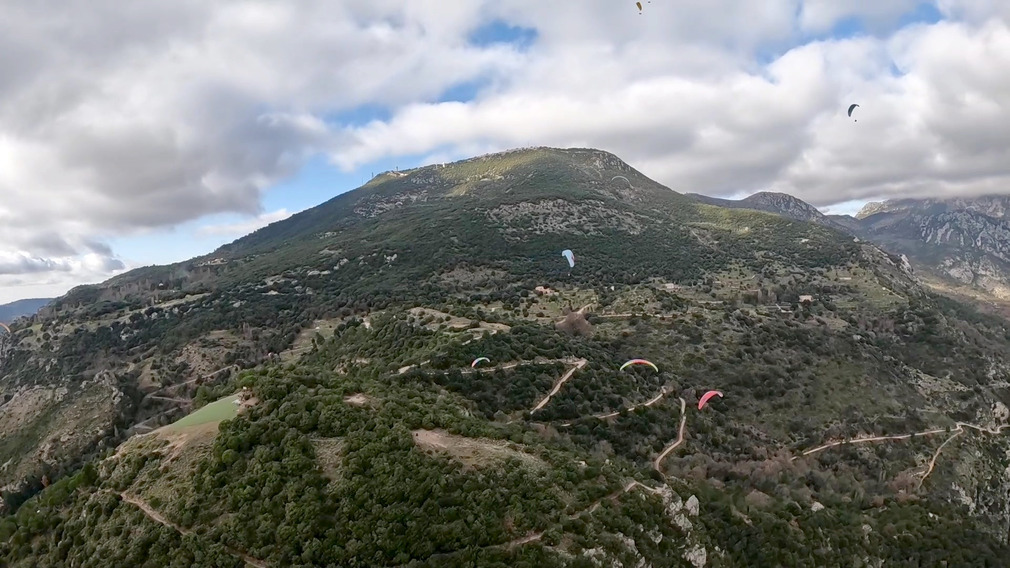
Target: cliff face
964	240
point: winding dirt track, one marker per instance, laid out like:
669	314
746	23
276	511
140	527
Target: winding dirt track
955	432
592	507
865	440
680	439
650	402
932	462
557	386
158	518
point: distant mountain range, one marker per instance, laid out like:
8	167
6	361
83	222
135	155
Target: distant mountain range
962	244
14	310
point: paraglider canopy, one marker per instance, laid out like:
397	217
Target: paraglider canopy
639	4
705	397
478	360
851	108
3	325
570	256
639	362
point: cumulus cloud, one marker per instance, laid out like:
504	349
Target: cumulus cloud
120	118
821	15
245	227
24	275
24	263
715	121
116	119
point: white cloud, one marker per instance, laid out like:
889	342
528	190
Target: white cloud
820	15
937	128
245	227
117	119
23	275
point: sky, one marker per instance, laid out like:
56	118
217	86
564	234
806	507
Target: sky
151	132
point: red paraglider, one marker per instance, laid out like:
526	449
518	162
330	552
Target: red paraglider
705	397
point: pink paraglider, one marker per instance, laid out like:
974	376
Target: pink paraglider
706	396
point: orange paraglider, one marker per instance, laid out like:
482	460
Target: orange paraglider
705	397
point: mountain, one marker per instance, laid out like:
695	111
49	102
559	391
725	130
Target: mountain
13	310
964	241
313	394
780	204
960	246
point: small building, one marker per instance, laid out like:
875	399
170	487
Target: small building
806	299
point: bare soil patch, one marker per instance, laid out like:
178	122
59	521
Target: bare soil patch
358	399
328	453
303	342
472	452
180	438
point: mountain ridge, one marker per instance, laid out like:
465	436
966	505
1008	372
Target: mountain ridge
282	399
780	204
961	245
21	308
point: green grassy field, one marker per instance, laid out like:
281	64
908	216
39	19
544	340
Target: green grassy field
221	409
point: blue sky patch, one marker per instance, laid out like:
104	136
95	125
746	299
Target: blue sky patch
463	92
924	13
499	31
360	116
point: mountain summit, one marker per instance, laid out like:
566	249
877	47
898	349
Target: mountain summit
781	204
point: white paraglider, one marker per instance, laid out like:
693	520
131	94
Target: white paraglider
570	256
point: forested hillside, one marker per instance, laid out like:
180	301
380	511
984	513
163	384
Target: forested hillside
341	418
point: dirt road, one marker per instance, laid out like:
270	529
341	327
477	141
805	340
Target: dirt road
680	439
592	507
158	518
955	432
653	400
557	386
865	440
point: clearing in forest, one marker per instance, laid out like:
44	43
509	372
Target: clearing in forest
303	342
358	399
440	318
472	452
328	455
221	409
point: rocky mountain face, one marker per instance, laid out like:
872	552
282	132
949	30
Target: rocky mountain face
964	240
411	374
959	243
995	206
